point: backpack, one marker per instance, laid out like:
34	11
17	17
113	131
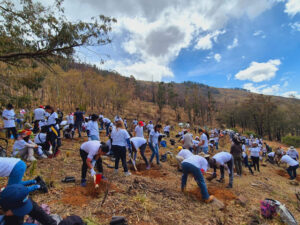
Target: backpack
268	208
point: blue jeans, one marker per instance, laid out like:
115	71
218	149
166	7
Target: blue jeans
16	176
217	145
205	150
107	129
94	138
292	171
190	168
155	152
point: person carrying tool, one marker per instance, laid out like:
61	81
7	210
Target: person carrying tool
293	166
139	143
91	151
196	165
223	160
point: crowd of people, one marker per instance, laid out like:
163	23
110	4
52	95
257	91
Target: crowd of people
196	154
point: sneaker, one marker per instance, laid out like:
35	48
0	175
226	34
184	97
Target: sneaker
43	156
42	183
148	167
127	174
221	180
83	183
116	171
229	186
31	159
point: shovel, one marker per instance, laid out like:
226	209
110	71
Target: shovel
97	180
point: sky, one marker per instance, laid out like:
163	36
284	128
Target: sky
250	44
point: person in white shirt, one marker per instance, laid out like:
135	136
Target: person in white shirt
107	124
8	116
101	121
14	169
140	143
292	152
69	131
196	165
254	154
149	127
120	139
223	160
39	115
182	155
167	130
293	166
271	156
70	118
43	142
24	147
138	130
153	143
203	141
90	151
93	128
53	129
196	146
216	139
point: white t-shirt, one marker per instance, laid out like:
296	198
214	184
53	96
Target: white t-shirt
138	142
52	119
184	153
254	151
244	147
107	121
198	161
40	138
204	138
167	128
20	145
271	154
216	139
101	116
222	158
70	119
195	143
10	118
92	126
139	131
119	137
91	147
135	122
293	153
288	160
7	165
153	137
244	154
39	114
150	126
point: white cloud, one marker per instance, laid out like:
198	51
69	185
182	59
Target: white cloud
217	57
154	32
292	7
206	42
258	72
295	26
229	76
291	94
285	84
262	89
234	44
259	33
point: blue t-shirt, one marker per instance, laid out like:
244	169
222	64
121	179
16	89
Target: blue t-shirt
78	116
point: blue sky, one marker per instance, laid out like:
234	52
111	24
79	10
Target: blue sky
252	44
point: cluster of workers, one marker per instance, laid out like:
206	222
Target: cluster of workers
196	155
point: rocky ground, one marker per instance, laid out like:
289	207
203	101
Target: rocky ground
154	196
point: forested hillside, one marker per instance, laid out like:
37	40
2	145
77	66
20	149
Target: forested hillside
71	84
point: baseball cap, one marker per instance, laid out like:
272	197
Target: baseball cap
118	118
15	198
141	123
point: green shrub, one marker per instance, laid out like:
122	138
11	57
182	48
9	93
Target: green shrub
292	141
234	129
248	133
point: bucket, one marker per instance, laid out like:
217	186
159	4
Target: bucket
163	144
97	180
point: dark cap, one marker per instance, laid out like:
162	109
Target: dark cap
72	220
15	198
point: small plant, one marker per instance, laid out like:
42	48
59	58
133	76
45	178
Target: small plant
32	168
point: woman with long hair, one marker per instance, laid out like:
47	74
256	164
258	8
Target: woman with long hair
153	143
120	139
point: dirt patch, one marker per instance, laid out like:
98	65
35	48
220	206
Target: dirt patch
154	172
80	196
284	173
220	193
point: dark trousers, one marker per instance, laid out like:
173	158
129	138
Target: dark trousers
36	126
292	171
142	151
247	164
230	167
167	133
120	153
11	130
78	126
37	213
84	167
53	140
238	164
107	128
255	161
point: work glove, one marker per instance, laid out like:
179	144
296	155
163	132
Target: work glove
93	172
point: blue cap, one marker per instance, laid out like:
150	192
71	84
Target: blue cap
15	198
